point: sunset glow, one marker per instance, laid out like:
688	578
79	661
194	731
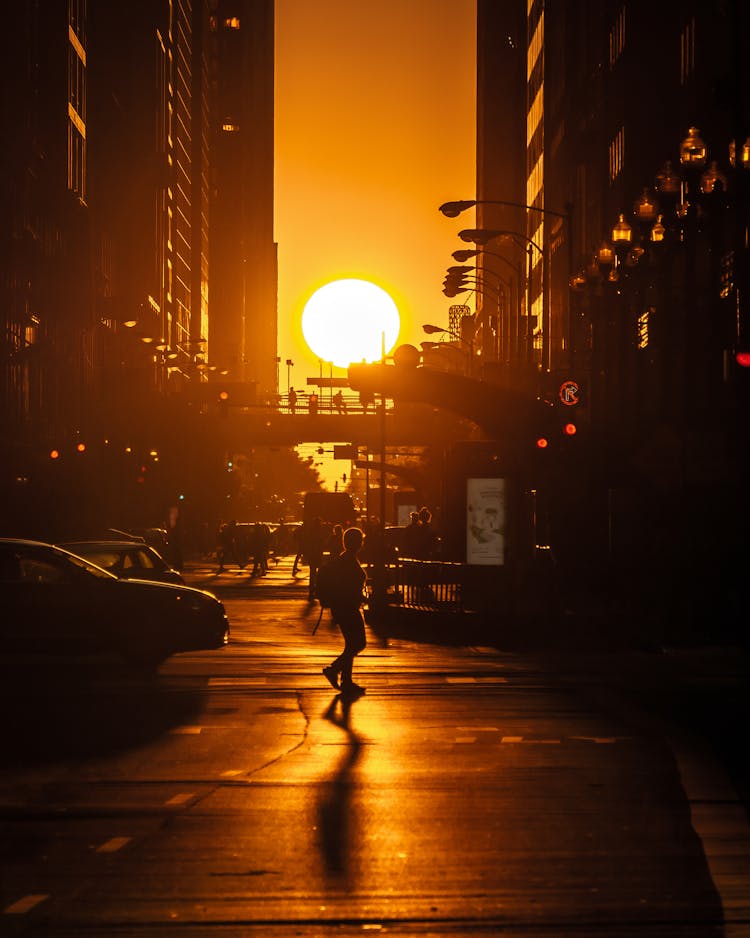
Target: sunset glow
366	99
345	321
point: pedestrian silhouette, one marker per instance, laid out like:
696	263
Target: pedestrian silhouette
227	548
339	402
292	399
347	614
312	403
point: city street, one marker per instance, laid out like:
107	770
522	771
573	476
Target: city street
470	791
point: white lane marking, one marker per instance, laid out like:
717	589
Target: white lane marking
478	729
465	739
185	730
230	773
461	680
113	845
180	799
24	905
599	740
511	739
235	681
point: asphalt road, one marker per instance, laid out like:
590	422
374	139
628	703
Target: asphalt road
470	791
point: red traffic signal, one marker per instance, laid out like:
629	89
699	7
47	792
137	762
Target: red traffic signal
570	429
743	359
542	442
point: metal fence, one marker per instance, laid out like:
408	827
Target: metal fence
429	584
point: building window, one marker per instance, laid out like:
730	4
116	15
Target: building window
230	127
617	38
231	22
726	275
643	328
617	155
76	99
687	51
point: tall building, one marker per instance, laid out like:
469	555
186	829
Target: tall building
503	332
44	217
637	187
149	185
46	311
108	200
243	252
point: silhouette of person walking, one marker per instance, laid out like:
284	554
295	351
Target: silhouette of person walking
292	399
227	544
339	402
347	613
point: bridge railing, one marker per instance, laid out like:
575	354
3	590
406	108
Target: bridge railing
327	404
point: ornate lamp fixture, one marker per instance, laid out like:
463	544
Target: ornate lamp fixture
644	207
713	179
622	233
693	150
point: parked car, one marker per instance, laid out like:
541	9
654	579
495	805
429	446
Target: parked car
127	560
56	602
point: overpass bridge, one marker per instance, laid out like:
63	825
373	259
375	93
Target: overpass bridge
423	408
404	425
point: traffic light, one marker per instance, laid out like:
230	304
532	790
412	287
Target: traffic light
223	403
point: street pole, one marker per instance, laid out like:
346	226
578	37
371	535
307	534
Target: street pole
379	586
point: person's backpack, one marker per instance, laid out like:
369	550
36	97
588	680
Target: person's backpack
327	587
328	584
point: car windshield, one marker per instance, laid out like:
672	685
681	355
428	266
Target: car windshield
90	567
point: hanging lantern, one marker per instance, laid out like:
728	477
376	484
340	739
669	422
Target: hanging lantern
713	179
658	231
644	208
693	149
667	180
622	232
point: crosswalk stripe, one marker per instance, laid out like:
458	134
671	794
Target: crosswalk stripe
24	905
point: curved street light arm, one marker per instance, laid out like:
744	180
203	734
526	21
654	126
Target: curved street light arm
454	209
482	235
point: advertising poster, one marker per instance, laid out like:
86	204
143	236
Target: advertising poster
485	521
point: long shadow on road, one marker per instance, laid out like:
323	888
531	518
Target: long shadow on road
337	823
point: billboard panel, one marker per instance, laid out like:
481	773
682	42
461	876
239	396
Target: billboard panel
486	517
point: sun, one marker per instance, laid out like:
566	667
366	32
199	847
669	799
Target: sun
345	320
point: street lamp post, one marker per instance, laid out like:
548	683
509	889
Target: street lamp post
289	366
483	236
454	208
511	332
430	329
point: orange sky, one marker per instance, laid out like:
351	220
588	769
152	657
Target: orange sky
375	115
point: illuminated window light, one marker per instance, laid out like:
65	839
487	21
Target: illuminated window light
230	127
231	22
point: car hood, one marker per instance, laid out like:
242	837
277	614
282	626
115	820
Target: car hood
164	589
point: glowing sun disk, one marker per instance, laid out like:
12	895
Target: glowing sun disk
345	320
